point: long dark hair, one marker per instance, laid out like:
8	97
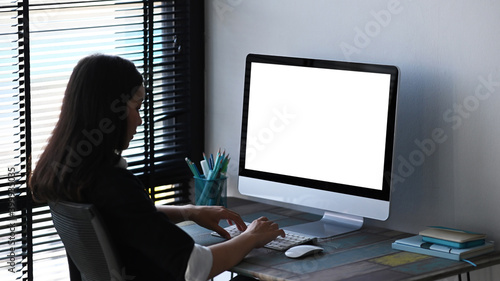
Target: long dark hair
91	131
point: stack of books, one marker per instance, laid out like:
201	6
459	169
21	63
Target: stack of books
446	243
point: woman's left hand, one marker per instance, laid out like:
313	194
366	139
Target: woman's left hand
209	217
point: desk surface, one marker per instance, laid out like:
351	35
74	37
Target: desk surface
365	254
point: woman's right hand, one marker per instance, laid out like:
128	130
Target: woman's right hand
263	231
228	253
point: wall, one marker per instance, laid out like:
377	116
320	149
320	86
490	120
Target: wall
447	151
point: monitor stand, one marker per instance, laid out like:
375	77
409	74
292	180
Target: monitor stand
331	224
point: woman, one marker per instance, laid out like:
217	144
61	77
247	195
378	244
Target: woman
82	163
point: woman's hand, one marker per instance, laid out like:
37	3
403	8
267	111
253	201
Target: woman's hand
261	231
210	216
228	253
264	231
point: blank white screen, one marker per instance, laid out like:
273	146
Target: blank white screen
315	123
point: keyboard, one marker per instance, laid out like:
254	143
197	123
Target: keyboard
280	243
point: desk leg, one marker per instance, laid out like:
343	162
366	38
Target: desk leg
467	274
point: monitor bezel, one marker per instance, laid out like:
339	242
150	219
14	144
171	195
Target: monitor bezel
384	193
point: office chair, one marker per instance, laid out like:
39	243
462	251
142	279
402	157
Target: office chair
87	244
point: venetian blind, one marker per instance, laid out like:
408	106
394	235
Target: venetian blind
41	42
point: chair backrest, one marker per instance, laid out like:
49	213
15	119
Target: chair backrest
86	241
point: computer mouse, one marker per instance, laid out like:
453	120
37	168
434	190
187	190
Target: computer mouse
302	251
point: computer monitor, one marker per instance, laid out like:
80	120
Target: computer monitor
319	134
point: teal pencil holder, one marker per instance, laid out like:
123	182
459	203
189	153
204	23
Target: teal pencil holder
210	192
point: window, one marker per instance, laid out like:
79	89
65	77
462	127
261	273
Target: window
40	43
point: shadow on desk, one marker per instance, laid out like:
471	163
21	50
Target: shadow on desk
365	254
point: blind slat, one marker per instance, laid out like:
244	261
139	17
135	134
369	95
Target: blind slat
60	33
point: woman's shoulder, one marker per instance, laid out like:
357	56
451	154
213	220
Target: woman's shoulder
117	172
118	176
116	183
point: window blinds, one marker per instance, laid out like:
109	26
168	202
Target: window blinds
40	43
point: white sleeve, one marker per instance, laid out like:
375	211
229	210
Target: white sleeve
199	264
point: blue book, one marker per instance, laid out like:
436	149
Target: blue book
415	244
458	245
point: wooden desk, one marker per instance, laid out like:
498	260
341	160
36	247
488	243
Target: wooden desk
361	255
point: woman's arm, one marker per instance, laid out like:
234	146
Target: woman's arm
176	214
205	216
228	253
231	252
